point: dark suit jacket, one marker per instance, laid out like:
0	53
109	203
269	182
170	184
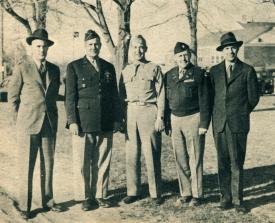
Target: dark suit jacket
28	98
92	97
234	99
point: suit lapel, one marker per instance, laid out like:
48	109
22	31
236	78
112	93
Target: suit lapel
33	70
221	74
237	71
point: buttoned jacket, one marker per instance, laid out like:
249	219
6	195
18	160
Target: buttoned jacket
92	99
233	99
30	100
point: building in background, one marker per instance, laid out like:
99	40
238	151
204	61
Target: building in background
258	48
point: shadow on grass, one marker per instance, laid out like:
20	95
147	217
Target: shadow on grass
259	182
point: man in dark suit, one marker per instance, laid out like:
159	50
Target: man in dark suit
93	112
234	96
33	93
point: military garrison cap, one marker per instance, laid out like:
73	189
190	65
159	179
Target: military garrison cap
91	34
180	47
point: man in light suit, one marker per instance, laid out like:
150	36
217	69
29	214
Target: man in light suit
234	96
32	95
93	114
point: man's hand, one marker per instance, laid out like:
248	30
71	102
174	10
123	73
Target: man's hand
117	127
159	125
74	129
202	131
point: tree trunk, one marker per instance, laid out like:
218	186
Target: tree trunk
194	43
121	55
42	9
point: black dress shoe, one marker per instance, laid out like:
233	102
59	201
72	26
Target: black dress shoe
86	205
225	205
130	199
240	209
54	207
157	200
103	203
25	214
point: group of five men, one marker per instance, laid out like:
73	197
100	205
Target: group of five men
181	102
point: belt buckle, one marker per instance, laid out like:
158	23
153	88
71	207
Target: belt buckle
141	103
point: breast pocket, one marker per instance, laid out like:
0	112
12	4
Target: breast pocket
147	83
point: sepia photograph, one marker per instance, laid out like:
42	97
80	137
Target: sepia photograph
132	111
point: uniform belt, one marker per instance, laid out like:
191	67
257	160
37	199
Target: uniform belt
139	103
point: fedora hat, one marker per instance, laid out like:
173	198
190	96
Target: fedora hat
41	34
228	39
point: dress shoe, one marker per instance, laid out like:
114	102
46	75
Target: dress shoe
86	205
157	200
225	205
25	214
182	200
54	207
240	209
195	202
103	203
130	199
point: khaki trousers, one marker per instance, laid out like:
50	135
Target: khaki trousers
188	150
28	147
91	163
141	134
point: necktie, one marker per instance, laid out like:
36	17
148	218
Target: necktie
229	71
43	72
94	63
181	73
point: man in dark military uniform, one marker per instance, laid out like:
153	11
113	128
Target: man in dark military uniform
93	113
188	103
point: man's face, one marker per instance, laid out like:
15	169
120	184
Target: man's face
92	47
183	58
138	49
39	49
230	53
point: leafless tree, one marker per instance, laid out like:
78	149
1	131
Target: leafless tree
192	12
35	10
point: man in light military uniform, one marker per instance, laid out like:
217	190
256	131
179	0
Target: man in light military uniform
188	102
93	113
141	88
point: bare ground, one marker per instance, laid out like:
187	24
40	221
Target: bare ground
259	180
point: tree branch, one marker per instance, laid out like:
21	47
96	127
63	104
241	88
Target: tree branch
7	7
165	21
86	6
119	4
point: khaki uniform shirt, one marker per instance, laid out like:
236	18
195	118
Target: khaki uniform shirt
143	83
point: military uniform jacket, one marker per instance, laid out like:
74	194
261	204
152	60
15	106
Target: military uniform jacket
188	95
233	99
30	100
92	99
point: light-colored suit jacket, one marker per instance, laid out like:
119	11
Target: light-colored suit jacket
30	101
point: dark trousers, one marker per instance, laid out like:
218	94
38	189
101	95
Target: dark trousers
29	145
231	149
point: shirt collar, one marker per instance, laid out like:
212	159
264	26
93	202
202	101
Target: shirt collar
92	60
38	63
227	63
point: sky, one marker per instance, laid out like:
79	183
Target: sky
161	22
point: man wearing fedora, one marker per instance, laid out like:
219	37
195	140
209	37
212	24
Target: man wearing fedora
33	93
234	96
93	114
188	114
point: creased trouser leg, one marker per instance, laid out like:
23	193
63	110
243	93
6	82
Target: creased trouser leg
81	167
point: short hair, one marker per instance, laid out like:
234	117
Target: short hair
139	37
91	34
